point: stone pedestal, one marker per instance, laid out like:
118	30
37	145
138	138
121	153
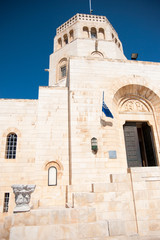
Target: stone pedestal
22	197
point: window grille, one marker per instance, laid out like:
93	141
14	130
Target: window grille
6	202
11	146
52	176
63	71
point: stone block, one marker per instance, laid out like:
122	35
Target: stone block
130	227
93	230
116	228
80	188
86	215
104	187
141	194
124	186
120	177
83	199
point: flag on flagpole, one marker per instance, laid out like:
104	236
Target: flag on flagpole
105	109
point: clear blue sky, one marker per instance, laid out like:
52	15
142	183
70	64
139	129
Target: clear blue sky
27	29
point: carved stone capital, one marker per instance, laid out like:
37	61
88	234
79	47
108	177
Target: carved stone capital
22	196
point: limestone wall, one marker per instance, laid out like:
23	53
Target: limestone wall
18	116
88	79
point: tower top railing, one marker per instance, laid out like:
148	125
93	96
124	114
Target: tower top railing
83	17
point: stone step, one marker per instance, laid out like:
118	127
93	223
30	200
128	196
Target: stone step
95	230
95	199
50	216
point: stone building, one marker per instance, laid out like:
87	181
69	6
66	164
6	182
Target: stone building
96	177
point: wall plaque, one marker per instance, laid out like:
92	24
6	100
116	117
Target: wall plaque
112	154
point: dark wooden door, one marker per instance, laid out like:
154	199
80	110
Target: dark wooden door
149	145
132	145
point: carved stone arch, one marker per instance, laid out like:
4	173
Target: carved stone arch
140	92
135	80
145	96
97	54
12	130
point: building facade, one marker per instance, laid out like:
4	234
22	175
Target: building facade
79	158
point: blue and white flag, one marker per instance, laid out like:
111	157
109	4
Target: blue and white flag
105	109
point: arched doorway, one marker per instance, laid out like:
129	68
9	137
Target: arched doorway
139	115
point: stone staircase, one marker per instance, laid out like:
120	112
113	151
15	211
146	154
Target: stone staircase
94	211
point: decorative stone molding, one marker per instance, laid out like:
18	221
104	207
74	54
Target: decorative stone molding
22	197
10	130
134	105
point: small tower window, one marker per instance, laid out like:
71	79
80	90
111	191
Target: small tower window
85	32
6	202
93	33
52	176
65	39
11	146
71	36
101	33
63	71
59	43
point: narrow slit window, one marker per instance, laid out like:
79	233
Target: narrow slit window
11	146
6	202
63	71
52	176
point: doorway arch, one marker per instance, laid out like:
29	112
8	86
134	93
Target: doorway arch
139	116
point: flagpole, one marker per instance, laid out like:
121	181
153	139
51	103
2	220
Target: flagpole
102	101
90	8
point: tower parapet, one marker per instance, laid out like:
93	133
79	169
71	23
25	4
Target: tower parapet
83	35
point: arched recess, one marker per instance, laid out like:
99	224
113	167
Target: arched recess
62	69
97	54
139	105
59	43
85	32
101	34
71	36
58	166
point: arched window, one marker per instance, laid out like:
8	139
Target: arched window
59	43
71	36
93	33
101	33
52	176
62	69
11	146
65	37
85	32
